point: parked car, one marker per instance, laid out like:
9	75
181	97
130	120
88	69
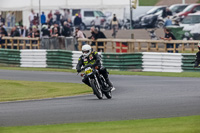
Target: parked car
176	8
88	16
191	22
150	18
189	9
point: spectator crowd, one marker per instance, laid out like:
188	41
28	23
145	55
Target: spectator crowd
53	24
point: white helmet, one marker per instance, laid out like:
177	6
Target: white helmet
86	50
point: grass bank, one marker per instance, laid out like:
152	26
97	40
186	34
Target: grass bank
11	90
188	124
148	2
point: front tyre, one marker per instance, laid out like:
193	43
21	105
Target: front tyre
96	89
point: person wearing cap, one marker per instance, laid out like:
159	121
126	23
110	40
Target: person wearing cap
197	61
77	20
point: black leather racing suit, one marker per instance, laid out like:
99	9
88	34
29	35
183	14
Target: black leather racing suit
95	60
197	61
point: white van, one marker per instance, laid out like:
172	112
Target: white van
88	15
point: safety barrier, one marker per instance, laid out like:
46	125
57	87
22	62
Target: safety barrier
187	64
33	58
146	61
137	45
75	57
131	62
162	62
10	57
59	59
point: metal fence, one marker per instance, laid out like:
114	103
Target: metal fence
67	43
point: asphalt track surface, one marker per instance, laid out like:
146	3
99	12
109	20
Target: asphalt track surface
135	97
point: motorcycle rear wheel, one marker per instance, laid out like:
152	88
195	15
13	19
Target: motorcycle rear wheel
108	94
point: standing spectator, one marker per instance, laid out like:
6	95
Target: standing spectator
169	36
43	18
3	33
55	33
168	22
2	20
23	31
45	31
69	16
66	30
8	19
50	18
58	17
14	32
97	23
30	32
36	19
166	12
35	33
50	15
13	19
78	34
79	14
92	31
77	21
31	17
114	24
99	34
55	26
65	15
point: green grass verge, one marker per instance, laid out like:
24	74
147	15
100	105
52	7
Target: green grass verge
148	2
165	74
37	69
25	90
188	124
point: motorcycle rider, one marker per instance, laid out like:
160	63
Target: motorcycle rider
92	59
197	61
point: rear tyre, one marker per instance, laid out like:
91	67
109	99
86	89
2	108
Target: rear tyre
96	89
108	94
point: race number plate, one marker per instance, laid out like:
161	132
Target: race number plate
88	71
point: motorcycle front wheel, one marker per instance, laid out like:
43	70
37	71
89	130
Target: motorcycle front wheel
96	89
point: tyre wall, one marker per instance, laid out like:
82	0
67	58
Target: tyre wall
146	61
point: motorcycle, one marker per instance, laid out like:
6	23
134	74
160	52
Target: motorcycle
152	35
126	24
97	82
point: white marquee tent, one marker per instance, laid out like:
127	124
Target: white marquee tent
115	6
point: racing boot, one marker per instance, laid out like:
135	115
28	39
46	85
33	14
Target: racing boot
109	83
